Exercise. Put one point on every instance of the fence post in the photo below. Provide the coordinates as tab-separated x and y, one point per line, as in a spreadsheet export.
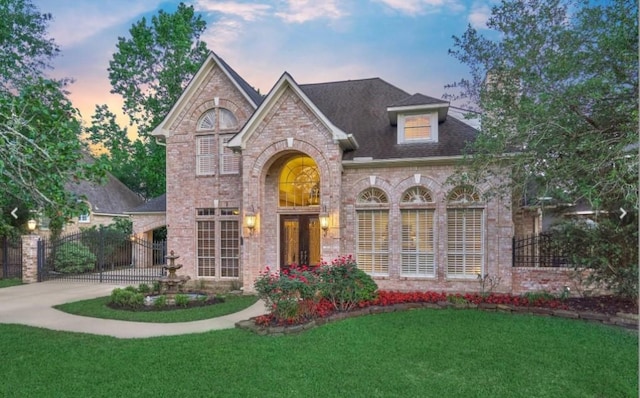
30	258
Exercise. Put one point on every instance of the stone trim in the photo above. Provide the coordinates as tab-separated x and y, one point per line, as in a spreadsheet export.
626	321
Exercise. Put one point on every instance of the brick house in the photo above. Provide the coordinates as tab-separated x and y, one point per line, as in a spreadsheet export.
310	172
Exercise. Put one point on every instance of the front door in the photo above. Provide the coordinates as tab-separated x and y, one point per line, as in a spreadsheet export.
299	240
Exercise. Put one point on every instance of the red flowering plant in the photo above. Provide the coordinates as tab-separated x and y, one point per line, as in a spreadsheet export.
344	284
291	294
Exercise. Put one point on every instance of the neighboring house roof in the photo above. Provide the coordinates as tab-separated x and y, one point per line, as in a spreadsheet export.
155	205
111	198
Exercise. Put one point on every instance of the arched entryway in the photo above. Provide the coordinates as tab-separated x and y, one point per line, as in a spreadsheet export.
298	209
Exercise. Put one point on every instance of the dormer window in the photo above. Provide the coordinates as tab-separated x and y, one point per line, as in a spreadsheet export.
417	128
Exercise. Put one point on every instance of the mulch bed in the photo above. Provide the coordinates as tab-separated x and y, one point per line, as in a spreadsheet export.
609	305
169	307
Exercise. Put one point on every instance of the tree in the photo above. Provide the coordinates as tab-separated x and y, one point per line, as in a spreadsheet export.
41	152
40	147
25	49
149	70
557	83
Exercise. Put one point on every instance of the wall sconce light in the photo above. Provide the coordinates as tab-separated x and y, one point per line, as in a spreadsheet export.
250	220
324	220
32	224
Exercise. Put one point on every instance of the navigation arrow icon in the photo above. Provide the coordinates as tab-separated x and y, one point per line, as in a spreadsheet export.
13	213
624	213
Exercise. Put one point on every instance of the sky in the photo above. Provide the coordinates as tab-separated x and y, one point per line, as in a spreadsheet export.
404	42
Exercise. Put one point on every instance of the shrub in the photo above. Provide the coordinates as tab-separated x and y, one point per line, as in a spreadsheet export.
73	257
160	301
126	298
283	291
182	300
344	284
144	288
302	293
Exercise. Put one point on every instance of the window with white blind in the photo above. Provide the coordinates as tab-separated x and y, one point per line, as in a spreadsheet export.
418	128
418	253
219	244
465	234
205	155
229	160
372	234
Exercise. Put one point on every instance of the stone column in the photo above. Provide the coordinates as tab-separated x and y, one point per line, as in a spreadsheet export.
30	258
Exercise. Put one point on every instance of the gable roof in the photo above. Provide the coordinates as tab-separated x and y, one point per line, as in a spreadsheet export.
112	198
286	82
249	93
155	205
360	107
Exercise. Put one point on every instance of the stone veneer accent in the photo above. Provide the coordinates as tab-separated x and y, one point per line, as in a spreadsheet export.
30	258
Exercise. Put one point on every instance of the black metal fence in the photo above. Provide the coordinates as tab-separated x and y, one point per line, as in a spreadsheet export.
537	251
10	257
102	255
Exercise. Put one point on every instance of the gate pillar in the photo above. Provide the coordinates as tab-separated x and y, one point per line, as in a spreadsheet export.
30	258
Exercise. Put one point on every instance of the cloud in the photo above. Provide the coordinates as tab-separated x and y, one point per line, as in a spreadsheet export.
74	22
421	7
479	16
247	12
300	11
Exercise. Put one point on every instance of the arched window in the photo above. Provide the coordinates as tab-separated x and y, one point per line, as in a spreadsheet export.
227	119
465	233
207	120
372	235
299	183
417	210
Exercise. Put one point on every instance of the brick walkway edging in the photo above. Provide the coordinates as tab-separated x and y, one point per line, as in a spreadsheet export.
627	321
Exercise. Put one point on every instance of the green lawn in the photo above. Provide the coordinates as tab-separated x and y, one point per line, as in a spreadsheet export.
419	353
10	282
97	308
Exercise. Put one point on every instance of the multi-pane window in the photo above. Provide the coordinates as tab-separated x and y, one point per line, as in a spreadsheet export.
84	218
372	234
229	160
218	243
206	248
465	237
418	237
227	120
205	155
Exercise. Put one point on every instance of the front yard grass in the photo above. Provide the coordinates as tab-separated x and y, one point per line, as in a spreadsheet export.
417	353
10	282
97	308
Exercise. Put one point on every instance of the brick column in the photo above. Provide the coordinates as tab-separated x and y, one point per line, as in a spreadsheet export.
30	258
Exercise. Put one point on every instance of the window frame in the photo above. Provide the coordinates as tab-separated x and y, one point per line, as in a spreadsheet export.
376	249
219	218
228	157
209	156
418	202
465	202
433	126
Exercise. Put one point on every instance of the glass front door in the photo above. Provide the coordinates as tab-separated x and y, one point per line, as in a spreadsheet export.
299	240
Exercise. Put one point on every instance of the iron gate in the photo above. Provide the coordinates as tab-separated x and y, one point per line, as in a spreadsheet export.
10	257
537	251
101	255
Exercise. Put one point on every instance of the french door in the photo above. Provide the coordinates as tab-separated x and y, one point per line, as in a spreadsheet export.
299	240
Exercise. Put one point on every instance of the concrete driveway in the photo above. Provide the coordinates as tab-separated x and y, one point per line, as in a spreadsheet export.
32	305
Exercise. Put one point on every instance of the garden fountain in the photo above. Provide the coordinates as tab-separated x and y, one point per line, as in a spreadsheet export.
172	284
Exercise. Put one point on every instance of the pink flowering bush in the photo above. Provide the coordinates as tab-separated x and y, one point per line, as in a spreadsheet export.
302	293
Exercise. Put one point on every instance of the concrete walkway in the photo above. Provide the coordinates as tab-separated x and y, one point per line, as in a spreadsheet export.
32	305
